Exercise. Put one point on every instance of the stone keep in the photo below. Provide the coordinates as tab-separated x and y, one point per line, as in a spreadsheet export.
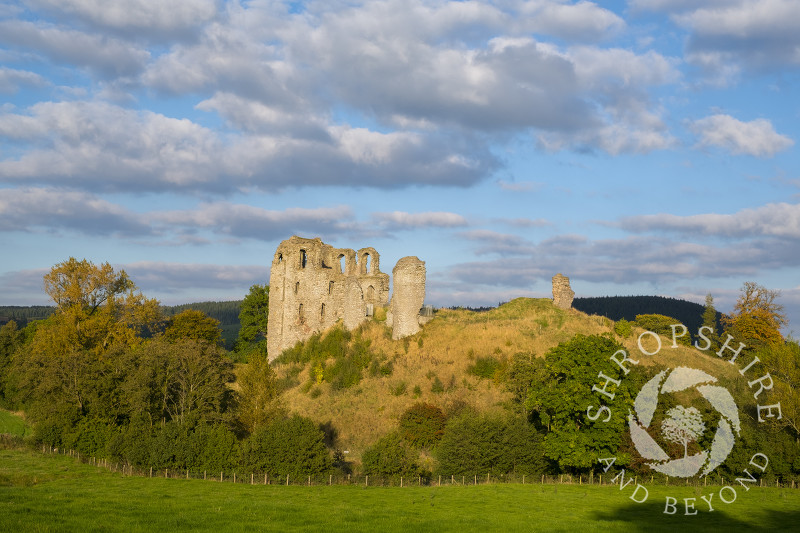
408	297
314	285
562	293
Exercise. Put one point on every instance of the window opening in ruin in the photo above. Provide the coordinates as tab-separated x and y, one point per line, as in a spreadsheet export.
366	266
370	310
280	258
322	311
300	312
342	267
303	259
370	293
296	287
330	287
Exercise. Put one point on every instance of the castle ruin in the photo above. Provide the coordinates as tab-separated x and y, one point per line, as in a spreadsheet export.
314	285
562	292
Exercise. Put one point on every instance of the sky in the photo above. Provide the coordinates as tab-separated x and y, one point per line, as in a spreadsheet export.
647	147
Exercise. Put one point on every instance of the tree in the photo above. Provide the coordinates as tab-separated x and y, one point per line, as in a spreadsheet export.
710	321
757	318
563	392
10	340
71	362
258	396
422	425
193	324
253	316
683	426
475	444
783	363
390	456
292	446
173	380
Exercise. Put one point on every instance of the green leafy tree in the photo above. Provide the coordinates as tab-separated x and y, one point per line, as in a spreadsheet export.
783	363
710	321
173	380
564	392
258	398
520	376
422	425
253	316
10	341
477	444
390	456
292	446
757	318
193	324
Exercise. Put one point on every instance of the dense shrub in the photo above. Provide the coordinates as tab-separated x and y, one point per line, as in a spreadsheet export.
422	425
390	456
623	328
292	446
661	324
485	367
476	444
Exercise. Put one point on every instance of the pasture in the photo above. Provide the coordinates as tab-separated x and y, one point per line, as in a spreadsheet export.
59	493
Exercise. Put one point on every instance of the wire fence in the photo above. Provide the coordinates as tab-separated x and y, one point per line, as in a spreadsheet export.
261	478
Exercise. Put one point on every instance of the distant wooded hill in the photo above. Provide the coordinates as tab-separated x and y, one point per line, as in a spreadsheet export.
690	314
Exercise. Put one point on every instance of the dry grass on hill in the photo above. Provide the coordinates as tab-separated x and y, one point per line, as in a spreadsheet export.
444	350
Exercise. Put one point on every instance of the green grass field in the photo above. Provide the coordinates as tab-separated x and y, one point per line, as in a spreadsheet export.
58	493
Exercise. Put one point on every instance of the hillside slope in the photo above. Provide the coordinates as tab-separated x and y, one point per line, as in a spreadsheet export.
433	366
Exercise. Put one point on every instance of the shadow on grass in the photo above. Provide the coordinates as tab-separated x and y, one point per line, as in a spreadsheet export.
649	517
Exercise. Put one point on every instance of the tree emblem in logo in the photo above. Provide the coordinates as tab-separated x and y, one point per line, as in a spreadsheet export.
684	425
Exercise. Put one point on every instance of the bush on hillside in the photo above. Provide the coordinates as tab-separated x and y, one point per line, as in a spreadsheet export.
390	456
422	425
292	446
477	444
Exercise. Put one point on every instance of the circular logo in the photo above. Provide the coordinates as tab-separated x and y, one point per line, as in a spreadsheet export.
683	425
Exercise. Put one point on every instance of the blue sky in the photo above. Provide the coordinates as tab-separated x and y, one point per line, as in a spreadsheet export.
640	147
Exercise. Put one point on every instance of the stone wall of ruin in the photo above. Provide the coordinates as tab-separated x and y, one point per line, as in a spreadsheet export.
562	292
314	285
408	296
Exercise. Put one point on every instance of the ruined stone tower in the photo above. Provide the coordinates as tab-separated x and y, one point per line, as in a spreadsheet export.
314	285
407	298
562	292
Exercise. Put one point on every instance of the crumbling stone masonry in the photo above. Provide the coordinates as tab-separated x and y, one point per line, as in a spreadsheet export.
562	293
314	285
408	297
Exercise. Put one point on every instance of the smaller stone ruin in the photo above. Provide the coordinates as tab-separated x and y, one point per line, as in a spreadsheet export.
562	293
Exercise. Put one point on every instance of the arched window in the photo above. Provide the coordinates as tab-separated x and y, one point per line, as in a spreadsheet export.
303	259
342	264
366	263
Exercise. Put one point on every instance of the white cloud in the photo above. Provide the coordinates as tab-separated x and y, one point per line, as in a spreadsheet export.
582	21
56	210
757	137
139	15
399	220
11	80
105	56
772	220
103	147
